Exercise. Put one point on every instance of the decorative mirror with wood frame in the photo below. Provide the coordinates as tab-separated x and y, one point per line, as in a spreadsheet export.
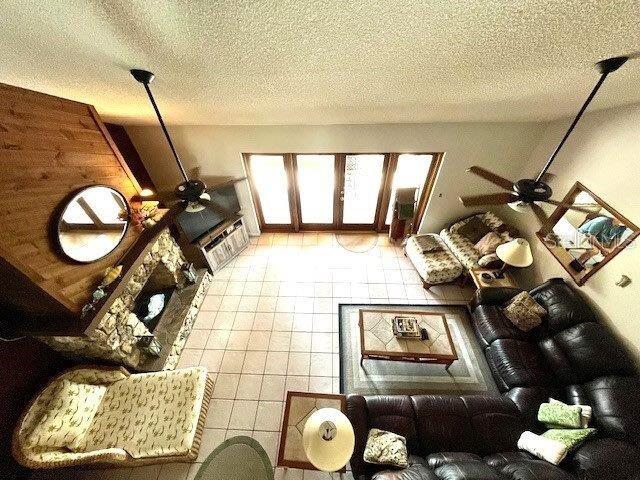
586	236
92	224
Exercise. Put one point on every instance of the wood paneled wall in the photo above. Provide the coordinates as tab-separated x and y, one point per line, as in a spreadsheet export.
50	147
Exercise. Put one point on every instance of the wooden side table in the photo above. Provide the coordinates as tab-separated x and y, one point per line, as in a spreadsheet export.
506	280
299	406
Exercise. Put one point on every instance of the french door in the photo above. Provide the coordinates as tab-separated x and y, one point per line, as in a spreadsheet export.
335	191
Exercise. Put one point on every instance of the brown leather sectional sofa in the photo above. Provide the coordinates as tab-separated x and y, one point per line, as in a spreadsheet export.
570	357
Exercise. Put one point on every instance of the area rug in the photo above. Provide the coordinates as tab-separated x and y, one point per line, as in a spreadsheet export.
238	458
357	242
468	375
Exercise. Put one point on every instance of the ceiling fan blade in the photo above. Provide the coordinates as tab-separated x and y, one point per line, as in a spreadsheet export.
166	197
491	177
223	212
489	199
539	213
568	206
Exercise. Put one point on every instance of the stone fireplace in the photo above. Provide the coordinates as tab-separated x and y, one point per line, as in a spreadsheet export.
115	335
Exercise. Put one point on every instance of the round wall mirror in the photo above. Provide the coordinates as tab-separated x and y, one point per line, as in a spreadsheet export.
93	223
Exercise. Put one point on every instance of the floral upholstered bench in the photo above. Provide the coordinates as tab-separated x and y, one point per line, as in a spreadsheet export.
432	259
98	415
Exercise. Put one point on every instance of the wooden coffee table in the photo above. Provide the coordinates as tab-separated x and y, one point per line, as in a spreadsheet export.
377	340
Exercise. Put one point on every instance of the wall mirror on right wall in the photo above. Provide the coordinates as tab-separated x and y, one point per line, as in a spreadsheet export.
584	233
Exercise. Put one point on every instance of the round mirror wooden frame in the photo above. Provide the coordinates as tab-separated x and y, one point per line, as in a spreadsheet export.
92	223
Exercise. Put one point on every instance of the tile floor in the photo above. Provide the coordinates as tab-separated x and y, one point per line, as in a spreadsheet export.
269	324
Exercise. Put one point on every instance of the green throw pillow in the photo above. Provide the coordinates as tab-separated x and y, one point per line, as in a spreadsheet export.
571	438
567	416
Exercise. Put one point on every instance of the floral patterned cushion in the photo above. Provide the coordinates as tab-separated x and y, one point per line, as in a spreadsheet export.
385	448
567	416
434	267
570	437
524	312
150	414
67	417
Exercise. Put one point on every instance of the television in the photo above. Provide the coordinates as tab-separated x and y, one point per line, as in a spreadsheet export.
194	225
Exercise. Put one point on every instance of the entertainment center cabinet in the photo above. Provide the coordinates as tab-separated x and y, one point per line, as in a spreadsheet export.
224	243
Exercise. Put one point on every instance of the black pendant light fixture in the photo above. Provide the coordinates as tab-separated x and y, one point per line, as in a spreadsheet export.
528	191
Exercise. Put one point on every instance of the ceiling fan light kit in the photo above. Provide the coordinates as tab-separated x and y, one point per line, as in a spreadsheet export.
523	194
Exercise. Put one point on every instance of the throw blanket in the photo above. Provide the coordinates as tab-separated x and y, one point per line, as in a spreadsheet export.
550	450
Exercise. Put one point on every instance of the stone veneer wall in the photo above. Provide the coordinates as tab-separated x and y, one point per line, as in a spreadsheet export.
116	336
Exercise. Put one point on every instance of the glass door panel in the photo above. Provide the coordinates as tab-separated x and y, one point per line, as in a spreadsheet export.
362	180
316	185
270	180
411	170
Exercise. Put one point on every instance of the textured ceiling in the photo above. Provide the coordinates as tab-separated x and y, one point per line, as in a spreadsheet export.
323	61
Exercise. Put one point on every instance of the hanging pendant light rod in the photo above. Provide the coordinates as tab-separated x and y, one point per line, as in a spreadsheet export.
145	78
605	67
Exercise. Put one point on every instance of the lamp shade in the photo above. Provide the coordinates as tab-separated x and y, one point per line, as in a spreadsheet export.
516	253
328	439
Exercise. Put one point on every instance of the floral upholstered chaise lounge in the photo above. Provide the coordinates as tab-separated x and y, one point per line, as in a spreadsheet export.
98	415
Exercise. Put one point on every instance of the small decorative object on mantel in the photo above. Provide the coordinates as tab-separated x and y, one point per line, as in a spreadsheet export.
110	274
189	272
149	345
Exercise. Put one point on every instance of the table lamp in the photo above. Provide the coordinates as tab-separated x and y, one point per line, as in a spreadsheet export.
328	439
516	253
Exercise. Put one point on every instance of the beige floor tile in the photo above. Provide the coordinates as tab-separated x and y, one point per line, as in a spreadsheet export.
377	290
298	363
217	339
224	320
243	415
276	363
252	289
238	340
211	302
286	304
234	288
254	362
230	303
204	320
197	339
231	362
270	289
322	305
226	385
269	441
259	340
266	304
303	322
249	387
280	341
321	290
268	416
296	383
248	304
321	342
322	322
219	413
212	360
273	388
263	321
238	433
303	305
256	274
321	364
283	321
321	384
189	358
305	289
243	321
217	287
300	342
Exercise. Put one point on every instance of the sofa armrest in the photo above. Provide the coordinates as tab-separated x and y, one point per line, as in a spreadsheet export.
493	296
605	458
358	416
58	458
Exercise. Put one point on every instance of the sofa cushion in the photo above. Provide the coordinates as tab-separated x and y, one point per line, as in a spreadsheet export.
436	460
474	229
592	351
616	406
490	324
488	244
412	472
535	470
394	413
517	363
601	458
499	460
565	308
434	411
467	470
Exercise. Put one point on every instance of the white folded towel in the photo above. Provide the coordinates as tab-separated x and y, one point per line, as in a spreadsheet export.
550	450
